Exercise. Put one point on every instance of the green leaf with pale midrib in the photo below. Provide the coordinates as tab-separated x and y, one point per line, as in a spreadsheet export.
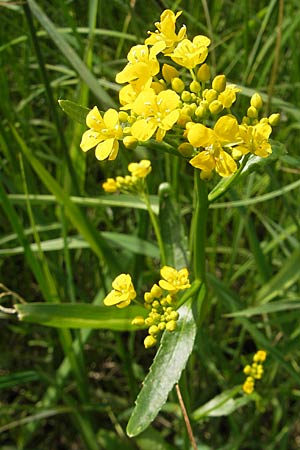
79	315
74	111
165	371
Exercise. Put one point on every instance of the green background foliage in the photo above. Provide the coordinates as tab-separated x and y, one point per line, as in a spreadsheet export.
63	240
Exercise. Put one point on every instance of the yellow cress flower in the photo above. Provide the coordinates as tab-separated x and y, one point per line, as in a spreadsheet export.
140	169
225	133
166	31
174	280
142	65
156	113
103	134
255	139
189	54
123	292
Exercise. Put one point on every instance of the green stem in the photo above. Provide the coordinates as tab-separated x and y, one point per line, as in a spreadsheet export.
156	228
199	229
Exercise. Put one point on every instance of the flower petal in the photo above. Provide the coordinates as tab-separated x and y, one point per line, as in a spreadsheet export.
143	129
89	140
104	148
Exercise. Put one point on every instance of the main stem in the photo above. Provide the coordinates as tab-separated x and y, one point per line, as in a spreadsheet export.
199	228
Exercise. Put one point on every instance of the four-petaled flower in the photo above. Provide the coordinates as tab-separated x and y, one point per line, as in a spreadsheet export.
103	134
212	155
141	67
155	113
166	31
174	280
123	292
255	139
191	53
140	169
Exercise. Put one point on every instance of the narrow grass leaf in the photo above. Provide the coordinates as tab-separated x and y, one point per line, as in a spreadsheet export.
70	54
265	309
79	315
16	378
97	243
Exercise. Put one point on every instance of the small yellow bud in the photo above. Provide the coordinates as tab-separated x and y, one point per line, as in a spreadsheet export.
174	315
252	112
200	112
247	370
211	95
161	326
186	149
153	330
177	85
205	175
149	321
274	119
183	119
148	297
149	341
123	116
110	185
139	321
219	83
195	87
156	291
155	304
186	96
171	325
215	107
256	101
260	356
130	142
169	72
203	73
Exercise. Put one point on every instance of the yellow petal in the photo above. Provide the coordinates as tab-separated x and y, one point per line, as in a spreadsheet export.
114	151
104	148
89	140
200	136
143	129
111	118
225	164
203	161
226	129
94	119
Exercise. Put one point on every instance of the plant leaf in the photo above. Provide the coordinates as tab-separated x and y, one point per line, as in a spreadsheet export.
170	360
79	315
73	110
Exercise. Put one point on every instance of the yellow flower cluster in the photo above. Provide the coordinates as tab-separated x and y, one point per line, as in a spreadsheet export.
160	301
159	98
254	372
133	183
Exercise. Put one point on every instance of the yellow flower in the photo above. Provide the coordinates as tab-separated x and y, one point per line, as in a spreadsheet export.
142	66
140	169
225	133
155	113
123	292
174	280
260	356
228	96
189	54
255	139
110	185
166	31
103	134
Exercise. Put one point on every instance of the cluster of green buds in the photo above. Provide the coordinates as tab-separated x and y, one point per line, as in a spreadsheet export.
254	371
133	183
161	303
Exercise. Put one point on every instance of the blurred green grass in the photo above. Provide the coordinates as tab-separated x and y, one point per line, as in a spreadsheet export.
82	384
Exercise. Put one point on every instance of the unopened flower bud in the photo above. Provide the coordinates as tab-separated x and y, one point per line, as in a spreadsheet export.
200	112
203	73
169	72
171	325
256	101
186	96
215	107
219	83
274	119
211	95
130	142
195	87
186	149
153	330
123	116
139	321
252	112
177	85
149	341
